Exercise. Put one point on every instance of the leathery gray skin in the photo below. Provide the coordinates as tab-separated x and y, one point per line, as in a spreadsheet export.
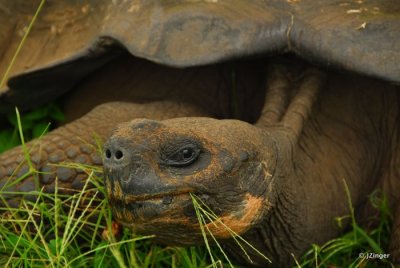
279	183
76	142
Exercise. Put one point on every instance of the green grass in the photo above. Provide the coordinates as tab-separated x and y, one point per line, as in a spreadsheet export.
35	123
204	215
77	230
346	250
59	231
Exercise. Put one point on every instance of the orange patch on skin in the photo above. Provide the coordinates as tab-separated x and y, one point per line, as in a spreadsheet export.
125	132
251	211
115	229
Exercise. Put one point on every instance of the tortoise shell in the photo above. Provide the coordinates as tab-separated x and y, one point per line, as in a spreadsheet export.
71	39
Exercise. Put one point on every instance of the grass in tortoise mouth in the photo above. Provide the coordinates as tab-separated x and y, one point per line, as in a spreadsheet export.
20	247
75	222
20	243
204	216
203	213
142	207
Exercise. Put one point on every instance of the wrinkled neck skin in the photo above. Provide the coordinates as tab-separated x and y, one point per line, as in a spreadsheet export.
279	183
349	138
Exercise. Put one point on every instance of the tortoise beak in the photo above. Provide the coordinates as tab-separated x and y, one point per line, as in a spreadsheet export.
129	174
135	191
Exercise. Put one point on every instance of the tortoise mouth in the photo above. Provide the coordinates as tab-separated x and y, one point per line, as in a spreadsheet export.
160	198
127	199
133	210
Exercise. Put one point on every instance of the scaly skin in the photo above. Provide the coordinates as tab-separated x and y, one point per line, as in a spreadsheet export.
153	91
75	143
279	183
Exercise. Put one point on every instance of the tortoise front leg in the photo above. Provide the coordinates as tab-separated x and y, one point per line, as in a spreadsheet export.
76	143
291	114
289	101
277	96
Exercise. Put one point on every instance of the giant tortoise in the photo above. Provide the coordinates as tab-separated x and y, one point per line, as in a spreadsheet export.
265	110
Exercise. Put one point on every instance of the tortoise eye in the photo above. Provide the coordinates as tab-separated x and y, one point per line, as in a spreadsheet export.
183	156
186	154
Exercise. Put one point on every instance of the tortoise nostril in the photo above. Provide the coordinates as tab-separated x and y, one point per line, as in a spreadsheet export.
119	155
108	154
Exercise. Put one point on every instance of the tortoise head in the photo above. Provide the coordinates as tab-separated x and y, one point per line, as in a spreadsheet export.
154	169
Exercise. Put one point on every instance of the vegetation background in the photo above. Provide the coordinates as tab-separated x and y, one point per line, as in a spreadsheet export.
52	230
